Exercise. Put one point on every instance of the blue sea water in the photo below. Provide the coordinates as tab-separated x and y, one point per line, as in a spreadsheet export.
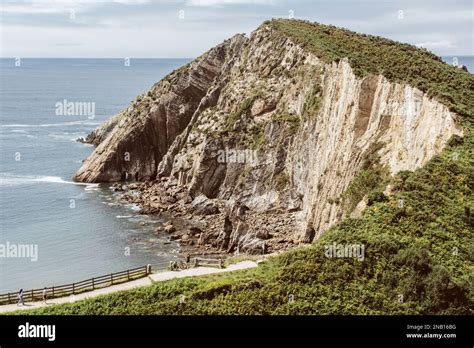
79	231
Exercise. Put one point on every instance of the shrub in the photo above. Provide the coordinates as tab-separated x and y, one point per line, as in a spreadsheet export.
376	196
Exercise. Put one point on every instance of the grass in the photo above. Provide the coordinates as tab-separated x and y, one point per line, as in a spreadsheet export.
312	103
236	115
421	251
236	259
418	242
365	182
396	61
371	180
281	180
258	136
292	121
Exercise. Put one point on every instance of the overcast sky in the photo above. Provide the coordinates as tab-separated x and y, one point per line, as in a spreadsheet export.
187	28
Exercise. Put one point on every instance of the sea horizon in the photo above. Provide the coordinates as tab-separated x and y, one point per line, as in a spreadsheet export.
81	231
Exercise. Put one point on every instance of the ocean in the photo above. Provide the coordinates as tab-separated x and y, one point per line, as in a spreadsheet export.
78	230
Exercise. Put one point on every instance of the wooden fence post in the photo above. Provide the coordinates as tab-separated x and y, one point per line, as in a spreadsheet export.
65	289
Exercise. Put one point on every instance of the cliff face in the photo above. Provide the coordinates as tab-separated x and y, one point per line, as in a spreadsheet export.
132	143
264	122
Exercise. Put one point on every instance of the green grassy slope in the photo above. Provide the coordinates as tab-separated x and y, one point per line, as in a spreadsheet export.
418	242
396	61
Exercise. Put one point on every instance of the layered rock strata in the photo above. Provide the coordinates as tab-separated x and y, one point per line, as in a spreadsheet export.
264	123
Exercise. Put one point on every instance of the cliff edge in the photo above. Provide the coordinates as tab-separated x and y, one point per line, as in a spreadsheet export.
301	124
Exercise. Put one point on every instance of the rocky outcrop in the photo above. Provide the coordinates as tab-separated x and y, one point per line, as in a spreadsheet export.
237	235
265	123
132	145
99	134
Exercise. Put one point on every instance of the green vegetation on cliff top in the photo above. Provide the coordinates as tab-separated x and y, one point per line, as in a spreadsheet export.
418	242
396	61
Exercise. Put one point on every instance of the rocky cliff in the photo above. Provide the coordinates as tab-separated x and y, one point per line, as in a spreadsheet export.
266	124
132	143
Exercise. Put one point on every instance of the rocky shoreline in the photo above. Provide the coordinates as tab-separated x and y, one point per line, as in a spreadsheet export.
204	226
259	144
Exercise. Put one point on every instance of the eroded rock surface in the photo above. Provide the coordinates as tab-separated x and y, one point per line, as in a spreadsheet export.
263	123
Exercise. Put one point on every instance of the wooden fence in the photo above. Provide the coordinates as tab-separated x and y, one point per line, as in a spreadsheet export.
195	262
32	295
78	287
199	261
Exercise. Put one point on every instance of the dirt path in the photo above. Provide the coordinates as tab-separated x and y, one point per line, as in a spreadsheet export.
155	277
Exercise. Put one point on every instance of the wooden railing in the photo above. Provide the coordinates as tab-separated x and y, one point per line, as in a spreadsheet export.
199	261
195	262
32	295
78	287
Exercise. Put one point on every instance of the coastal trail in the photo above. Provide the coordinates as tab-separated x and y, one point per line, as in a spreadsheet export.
149	280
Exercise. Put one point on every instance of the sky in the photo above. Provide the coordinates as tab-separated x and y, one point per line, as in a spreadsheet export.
187	28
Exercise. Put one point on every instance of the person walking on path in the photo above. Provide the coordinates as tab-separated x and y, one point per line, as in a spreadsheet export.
45	295
20	298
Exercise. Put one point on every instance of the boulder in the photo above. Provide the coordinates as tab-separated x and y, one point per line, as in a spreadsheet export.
202	205
169	229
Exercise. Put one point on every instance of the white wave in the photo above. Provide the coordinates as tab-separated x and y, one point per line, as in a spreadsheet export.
124	216
72	123
18	131
7	179
67	136
90	187
133	207
22	133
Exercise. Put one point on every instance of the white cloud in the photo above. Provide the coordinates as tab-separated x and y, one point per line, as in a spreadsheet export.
152	27
436	45
60	6
39	8
132	2
209	3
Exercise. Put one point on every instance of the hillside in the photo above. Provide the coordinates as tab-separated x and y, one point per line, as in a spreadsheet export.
421	251
339	122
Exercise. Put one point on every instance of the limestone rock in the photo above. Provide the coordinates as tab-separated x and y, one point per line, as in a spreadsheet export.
204	206
131	146
264	122
169	229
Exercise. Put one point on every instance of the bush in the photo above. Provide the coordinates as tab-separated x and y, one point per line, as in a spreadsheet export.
455	140
397	61
408	248
367	180
376	196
